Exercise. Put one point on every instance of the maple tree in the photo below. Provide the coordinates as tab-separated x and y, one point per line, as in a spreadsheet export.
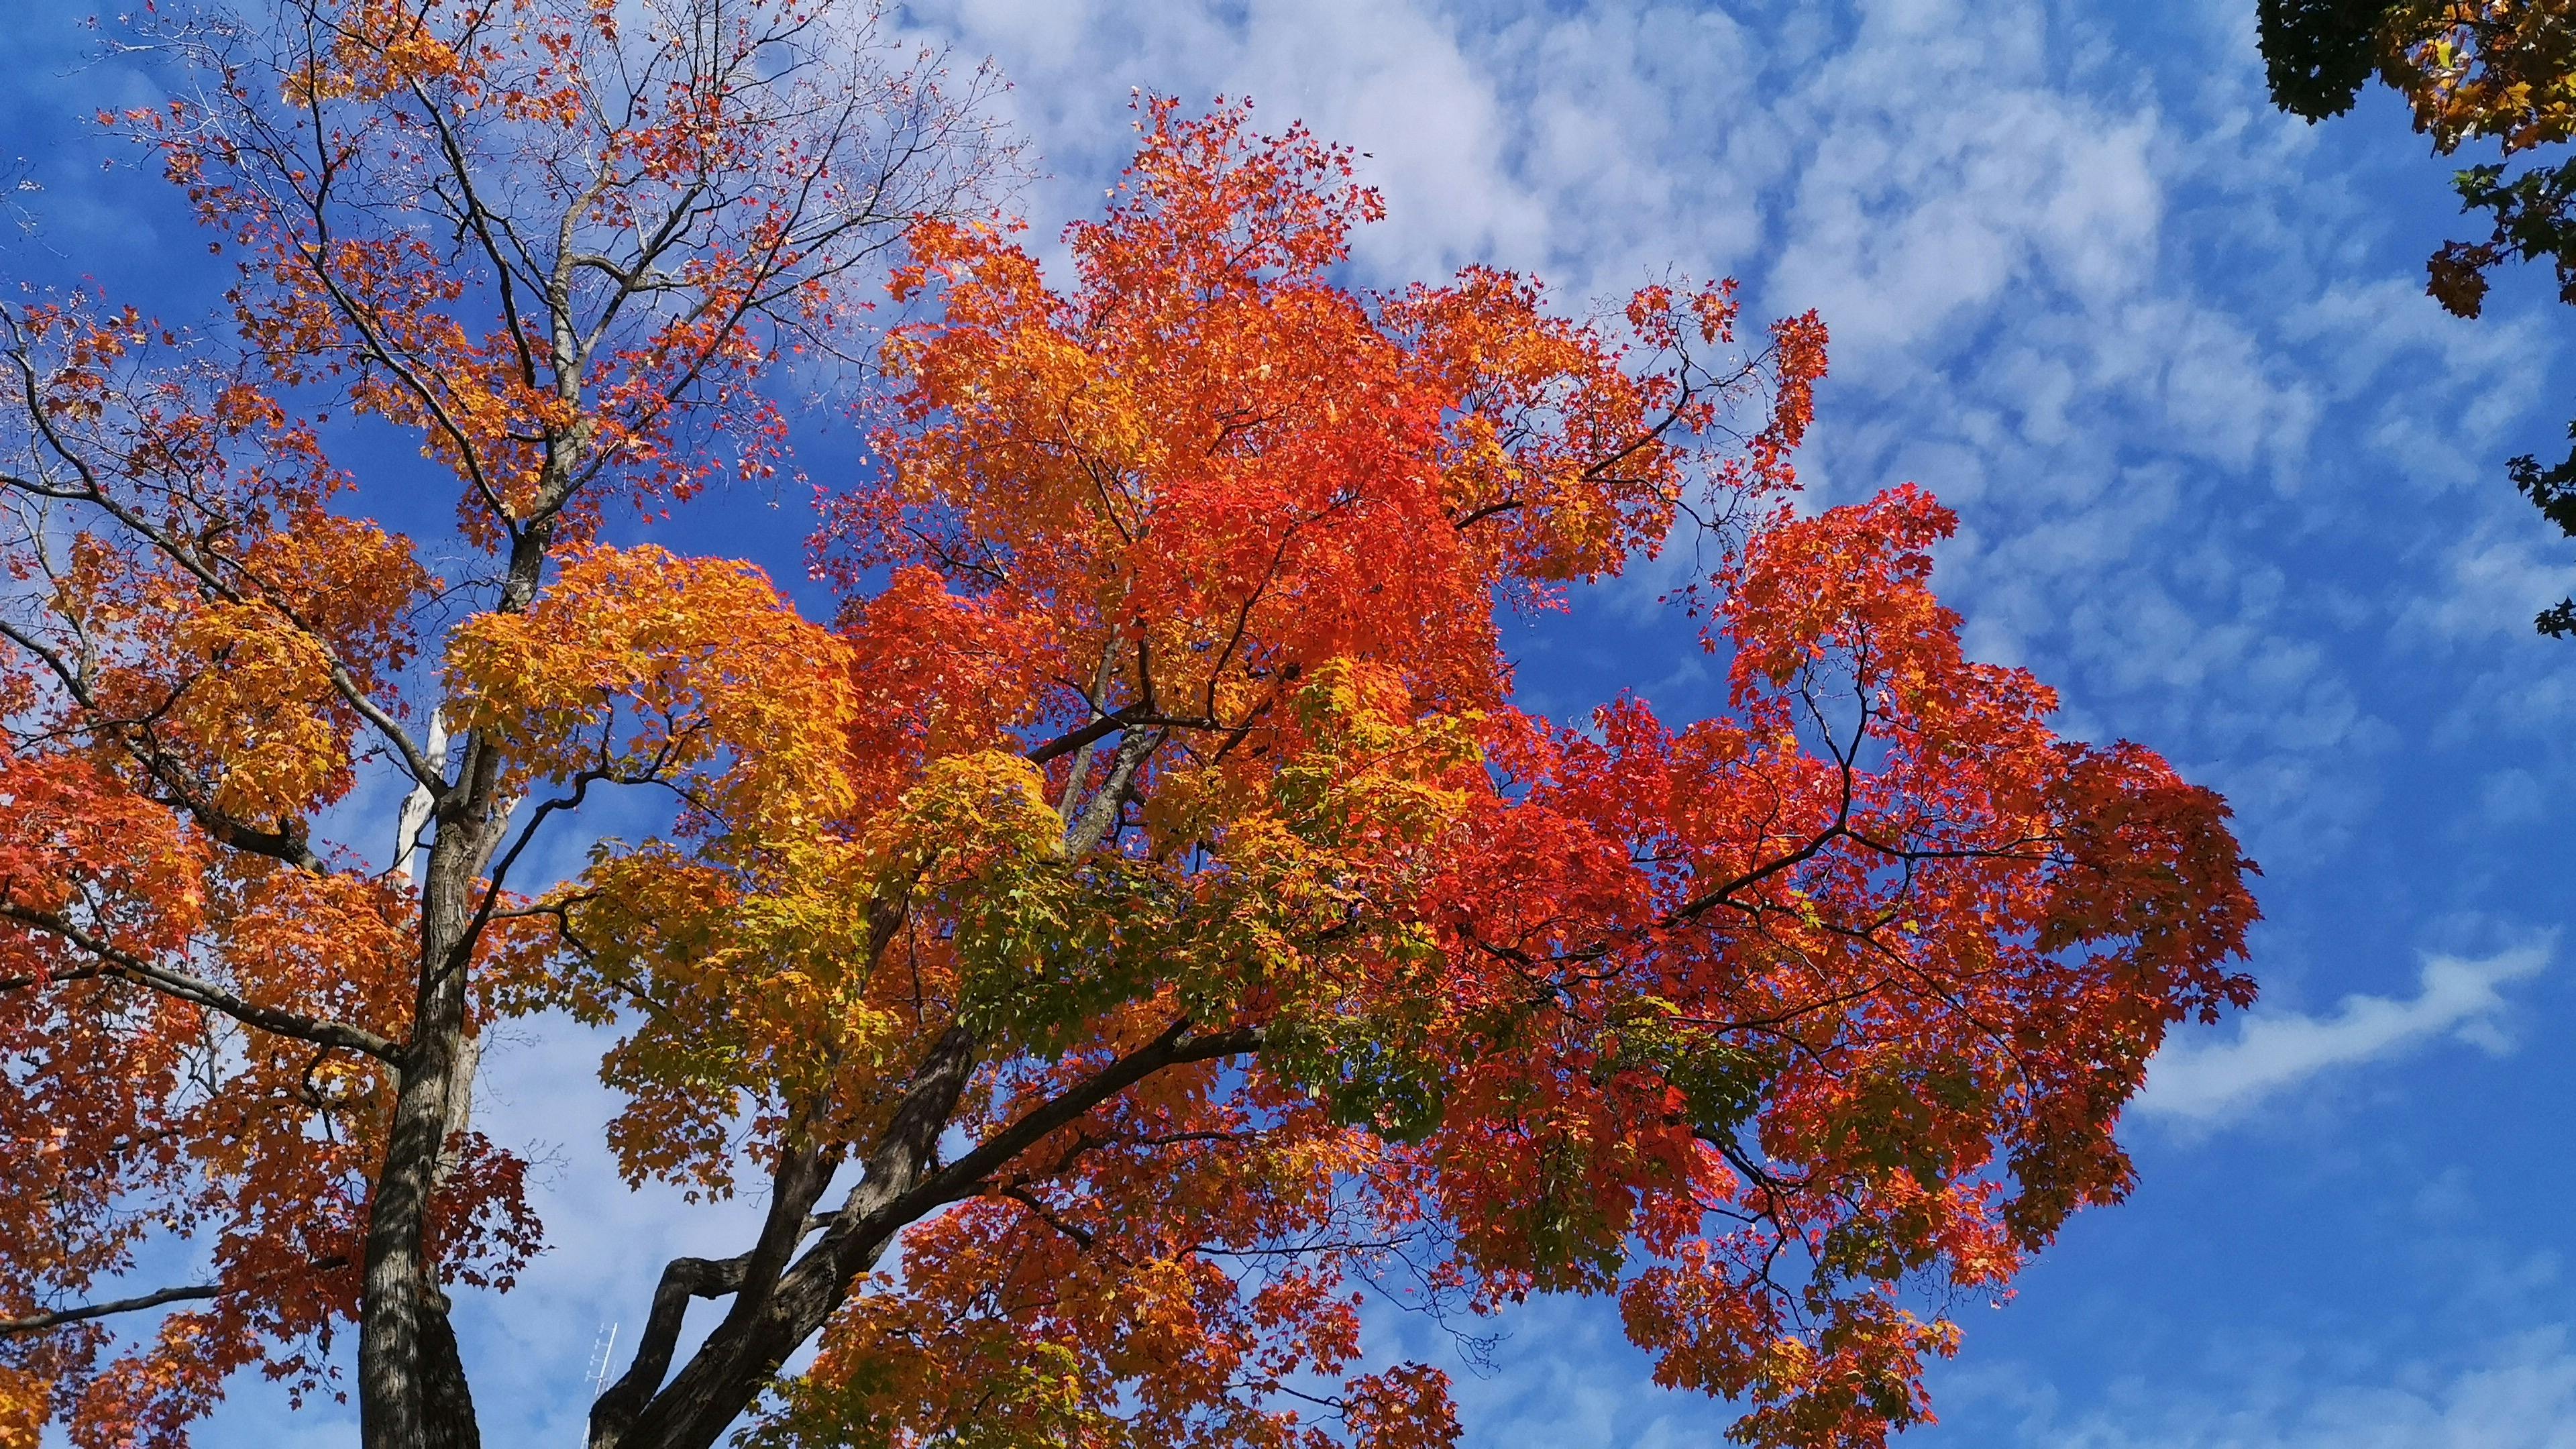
2472	71
1140	930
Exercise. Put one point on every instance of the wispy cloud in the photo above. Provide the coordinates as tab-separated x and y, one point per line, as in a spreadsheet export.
2273	1051
2518	1392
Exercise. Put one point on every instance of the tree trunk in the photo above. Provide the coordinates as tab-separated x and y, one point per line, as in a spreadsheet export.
447	1402
409	1371
412	1391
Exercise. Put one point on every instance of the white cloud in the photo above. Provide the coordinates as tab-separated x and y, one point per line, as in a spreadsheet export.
2199	1081
2498	576
1390	79
2517	1394
1561	1373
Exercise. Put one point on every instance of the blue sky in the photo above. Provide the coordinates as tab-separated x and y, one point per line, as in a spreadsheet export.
2227	478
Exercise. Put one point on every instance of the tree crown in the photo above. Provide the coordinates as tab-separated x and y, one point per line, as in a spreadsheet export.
1149	897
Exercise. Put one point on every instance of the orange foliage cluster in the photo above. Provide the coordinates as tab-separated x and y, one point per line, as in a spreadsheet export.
1754	1023
2476	69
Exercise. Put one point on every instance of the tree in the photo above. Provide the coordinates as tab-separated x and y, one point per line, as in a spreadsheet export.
2473	71
1144	906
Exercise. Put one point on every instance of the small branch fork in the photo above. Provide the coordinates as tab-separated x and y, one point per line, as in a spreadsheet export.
776	1306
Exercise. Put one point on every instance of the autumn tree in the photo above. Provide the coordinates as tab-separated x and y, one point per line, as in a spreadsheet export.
557	246
1139	931
2473	72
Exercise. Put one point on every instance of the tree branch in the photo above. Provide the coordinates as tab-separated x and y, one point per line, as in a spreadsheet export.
682	1279
1173	1048
284	845
127	966
193	1292
38	1323
746	1350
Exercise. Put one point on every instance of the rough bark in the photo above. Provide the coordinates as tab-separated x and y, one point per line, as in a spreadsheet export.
412	1388
447	1401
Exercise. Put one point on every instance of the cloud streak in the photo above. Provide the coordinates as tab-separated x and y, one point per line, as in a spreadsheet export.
2273	1052
2518	1392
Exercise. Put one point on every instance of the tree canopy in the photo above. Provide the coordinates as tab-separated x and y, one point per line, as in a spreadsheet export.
1143	928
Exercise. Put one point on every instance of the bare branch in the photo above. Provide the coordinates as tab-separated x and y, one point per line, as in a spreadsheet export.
126	966
38	1323
193	1292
